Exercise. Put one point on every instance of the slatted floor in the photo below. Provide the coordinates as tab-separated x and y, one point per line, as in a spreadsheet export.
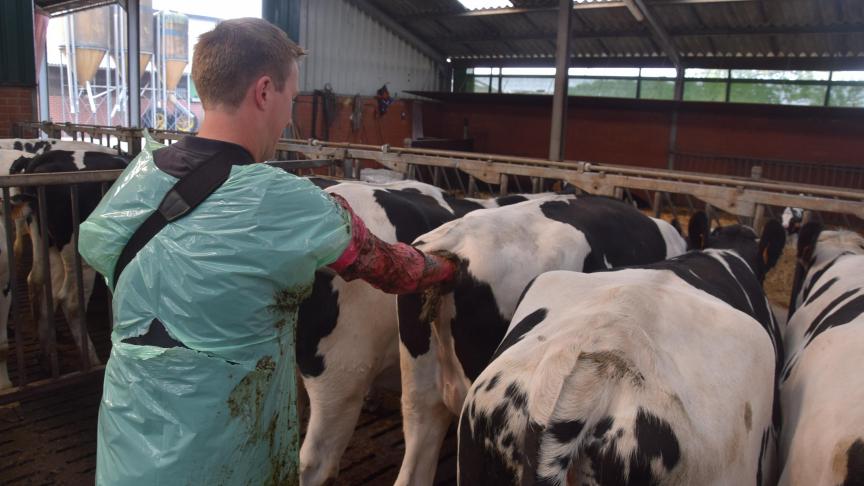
51	439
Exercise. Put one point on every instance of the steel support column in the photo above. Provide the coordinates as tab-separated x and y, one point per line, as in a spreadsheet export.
133	66
562	63
673	124
44	107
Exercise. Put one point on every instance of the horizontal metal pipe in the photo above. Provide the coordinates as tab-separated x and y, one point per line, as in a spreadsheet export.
42	387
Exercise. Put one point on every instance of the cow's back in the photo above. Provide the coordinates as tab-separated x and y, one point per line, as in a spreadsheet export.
618	372
822	440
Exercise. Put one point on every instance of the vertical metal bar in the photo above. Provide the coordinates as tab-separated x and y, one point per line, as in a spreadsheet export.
459	180
671	205
728	84
557	140
14	313
673	122
346	168
519	185
447	184
502	188
436	176
472	185
658	204
44	106
74	83
79	283
828	89
46	322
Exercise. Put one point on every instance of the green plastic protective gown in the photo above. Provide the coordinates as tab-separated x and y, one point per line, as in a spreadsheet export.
226	282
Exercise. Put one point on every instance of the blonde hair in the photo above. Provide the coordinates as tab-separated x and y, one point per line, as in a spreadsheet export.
230	57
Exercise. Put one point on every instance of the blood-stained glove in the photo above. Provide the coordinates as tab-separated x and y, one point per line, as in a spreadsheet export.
395	268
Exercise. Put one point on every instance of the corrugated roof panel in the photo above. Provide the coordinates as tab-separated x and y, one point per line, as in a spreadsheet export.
604	19
710	29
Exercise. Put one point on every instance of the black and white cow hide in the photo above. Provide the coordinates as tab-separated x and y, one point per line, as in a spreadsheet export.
658	374
347	331
822	389
59	227
447	338
39	146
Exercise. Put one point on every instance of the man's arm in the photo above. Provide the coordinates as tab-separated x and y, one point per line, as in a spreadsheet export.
395	268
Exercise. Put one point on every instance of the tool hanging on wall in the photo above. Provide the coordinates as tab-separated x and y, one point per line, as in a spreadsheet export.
356	113
384	99
328	109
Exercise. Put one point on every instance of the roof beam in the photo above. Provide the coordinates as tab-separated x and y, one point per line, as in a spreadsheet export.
708	32
522	10
640	12
837	63
504	11
695	2
366	7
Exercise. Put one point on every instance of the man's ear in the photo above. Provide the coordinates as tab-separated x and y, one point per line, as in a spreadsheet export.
262	91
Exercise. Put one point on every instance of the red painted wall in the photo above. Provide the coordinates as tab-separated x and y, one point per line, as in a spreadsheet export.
16	105
829	136
391	128
636	132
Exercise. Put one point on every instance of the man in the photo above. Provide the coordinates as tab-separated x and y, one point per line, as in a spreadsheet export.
198	385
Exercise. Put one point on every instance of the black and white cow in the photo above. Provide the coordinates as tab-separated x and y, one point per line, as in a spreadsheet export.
38	146
822	391
792	218
661	374
59	227
347	331
448	337
463	206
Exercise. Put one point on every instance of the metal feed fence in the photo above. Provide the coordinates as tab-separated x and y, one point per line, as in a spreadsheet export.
709	183
28	379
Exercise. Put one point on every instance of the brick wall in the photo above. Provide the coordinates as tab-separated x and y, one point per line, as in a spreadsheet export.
16	104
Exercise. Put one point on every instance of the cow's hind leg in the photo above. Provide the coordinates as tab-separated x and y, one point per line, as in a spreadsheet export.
334	408
68	298
5	302
425	419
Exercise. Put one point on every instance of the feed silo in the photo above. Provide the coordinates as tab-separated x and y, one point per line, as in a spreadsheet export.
172	41
90	34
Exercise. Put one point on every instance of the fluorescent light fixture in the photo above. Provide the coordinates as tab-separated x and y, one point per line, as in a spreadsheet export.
484	4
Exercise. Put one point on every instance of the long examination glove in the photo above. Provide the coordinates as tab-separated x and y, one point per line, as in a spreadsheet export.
394	268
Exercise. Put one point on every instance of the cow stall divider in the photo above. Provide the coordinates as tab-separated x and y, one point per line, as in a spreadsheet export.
58	376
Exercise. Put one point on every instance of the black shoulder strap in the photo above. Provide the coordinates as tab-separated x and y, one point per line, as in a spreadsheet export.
189	192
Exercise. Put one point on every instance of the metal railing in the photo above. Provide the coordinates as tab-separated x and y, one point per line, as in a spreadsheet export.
58	373
751	198
745	190
823	174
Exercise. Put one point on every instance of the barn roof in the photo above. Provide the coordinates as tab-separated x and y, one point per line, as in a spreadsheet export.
766	34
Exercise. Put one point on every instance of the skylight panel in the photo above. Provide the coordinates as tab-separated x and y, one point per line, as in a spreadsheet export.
485	4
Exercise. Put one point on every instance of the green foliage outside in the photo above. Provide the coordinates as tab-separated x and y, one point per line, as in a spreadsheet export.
609	88
749	86
657	90
778	94
847	96
704	91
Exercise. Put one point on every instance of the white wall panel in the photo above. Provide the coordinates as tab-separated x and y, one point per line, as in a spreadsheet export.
356	54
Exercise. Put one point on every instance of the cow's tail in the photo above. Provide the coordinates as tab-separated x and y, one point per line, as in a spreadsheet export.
580	387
